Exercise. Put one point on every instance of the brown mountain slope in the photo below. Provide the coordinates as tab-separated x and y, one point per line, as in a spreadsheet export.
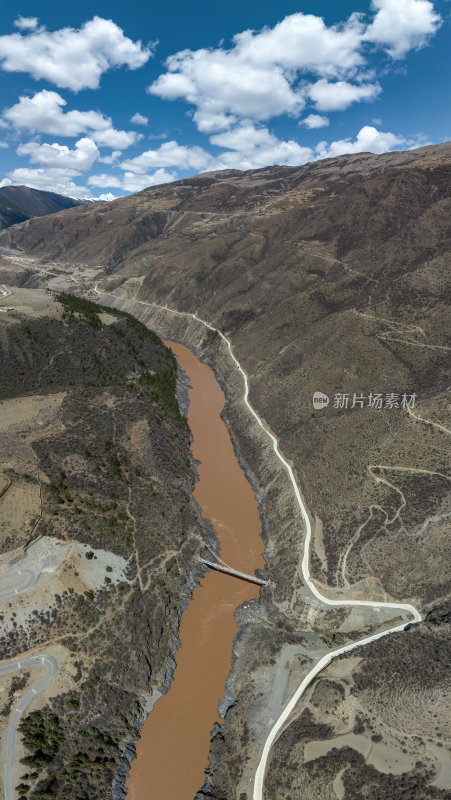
346	203
329	277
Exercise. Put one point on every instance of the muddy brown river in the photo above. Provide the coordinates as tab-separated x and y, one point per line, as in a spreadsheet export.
172	752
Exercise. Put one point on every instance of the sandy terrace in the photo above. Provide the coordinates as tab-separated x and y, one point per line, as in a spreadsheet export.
30	302
57	566
59	276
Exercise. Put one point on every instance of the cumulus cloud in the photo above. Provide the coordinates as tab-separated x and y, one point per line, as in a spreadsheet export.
81	157
257	76
246	146
70	58
304	42
368	139
314	121
262	74
134	183
250	147
117	140
52	180
338	95
26	23
43	113
169	154
111	159
221	83
139	119
104	181
400	25
209	121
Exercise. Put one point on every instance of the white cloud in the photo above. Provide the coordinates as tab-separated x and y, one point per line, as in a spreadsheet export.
26	23
303	42
71	58
258	77
4	145
104	181
209	121
314	121
376	121
134	183
112	158
244	138
43	113
368	139
117	140
339	95
251	147
51	180
139	119
400	25
57	155
5	182
106	197
169	154
247	146
222	82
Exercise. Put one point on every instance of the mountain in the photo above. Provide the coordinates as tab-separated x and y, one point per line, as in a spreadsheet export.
18	203
332	277
10	214
347	204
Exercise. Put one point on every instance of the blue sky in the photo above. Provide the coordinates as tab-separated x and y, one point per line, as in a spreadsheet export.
103	99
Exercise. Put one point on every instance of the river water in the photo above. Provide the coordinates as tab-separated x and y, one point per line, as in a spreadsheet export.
172	752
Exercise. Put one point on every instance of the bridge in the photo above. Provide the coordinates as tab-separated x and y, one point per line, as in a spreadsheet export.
235	572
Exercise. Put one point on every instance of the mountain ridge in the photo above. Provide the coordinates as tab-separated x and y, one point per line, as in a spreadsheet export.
19	203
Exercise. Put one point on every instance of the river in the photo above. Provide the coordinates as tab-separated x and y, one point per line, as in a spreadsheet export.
172	753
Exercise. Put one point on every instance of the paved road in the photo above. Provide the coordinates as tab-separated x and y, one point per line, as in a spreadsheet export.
31	577
23	587
403	608
50	669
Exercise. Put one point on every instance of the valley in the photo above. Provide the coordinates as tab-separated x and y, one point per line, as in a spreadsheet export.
330	277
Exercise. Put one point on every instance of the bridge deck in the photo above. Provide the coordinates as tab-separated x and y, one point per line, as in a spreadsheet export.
243	575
